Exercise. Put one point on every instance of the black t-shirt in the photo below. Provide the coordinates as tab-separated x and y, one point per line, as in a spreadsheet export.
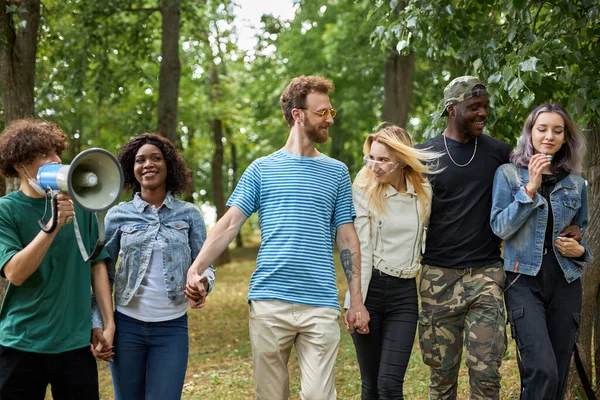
459	234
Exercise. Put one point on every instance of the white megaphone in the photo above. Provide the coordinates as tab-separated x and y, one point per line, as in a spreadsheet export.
94	180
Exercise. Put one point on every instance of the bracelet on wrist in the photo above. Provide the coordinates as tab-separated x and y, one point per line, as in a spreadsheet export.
529	193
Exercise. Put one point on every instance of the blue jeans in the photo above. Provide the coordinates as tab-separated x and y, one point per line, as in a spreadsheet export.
383	353
150	358
543	312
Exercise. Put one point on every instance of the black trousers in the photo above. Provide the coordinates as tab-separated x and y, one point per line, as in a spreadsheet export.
25	376
544	313
383	354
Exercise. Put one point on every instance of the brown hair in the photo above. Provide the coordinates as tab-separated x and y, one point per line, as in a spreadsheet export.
179	177
294	95
24	140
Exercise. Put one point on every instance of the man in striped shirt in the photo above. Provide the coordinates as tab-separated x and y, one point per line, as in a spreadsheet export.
304	203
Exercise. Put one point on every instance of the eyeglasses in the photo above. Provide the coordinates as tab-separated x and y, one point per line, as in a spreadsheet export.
323	114
378	164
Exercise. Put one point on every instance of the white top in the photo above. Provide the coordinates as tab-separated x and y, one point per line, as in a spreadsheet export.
150	303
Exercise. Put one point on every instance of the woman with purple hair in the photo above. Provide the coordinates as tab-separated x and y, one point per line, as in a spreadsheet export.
535	198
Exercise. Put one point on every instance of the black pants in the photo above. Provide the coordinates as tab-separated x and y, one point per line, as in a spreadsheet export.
544	312
383	354
25	376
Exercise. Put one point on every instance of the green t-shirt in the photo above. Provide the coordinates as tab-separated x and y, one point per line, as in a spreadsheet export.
51	311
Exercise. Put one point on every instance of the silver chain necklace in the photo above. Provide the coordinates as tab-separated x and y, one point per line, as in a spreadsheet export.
452	159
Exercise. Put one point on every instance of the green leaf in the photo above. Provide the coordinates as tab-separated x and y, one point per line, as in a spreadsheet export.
507	74
495	78
477	64
401	45
529	64
512	32
528	99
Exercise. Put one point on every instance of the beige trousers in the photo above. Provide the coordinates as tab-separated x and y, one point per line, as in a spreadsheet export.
276	326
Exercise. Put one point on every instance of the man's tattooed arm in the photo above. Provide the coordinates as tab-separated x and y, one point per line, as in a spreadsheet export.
349	269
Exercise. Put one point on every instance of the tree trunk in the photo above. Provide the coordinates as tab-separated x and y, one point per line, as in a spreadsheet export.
589	333
239	243
398	87
18	47
218	155
170	70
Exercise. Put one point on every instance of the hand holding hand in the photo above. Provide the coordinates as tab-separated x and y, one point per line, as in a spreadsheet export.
101	346
357	317
196	289
569	247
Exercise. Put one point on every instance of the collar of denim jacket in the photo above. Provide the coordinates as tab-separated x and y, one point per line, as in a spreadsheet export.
141	204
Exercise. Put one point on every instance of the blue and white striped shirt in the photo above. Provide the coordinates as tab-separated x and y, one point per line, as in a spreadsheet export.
300	202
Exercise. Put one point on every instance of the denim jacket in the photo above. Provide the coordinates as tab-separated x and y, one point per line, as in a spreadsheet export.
132	227
521	221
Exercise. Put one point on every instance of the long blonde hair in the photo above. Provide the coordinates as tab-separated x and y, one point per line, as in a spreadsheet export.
399	144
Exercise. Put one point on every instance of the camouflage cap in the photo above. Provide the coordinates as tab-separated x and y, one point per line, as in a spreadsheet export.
461	89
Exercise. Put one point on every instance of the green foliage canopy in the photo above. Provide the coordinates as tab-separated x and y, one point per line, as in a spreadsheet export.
527	52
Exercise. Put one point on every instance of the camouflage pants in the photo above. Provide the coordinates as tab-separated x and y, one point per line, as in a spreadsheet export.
462	304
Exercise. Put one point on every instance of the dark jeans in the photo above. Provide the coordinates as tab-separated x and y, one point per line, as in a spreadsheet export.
383	354
25	376
544	312
150	358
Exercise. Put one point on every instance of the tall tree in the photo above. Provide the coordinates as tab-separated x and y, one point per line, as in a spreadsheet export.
218	153
170	70
19	23
397	85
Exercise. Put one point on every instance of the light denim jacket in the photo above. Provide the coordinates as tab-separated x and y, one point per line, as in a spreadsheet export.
521	221
132	227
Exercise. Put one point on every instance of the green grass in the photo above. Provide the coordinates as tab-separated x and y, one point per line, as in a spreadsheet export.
220	360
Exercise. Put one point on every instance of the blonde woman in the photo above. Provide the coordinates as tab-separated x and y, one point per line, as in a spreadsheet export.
392	199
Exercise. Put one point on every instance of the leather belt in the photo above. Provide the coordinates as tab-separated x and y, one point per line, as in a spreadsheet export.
396	273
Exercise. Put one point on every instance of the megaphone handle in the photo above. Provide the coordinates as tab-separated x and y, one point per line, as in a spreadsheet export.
52	228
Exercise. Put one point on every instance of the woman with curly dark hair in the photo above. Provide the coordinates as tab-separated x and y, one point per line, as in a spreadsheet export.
155	237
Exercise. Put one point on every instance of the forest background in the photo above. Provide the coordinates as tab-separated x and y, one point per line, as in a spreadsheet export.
108	70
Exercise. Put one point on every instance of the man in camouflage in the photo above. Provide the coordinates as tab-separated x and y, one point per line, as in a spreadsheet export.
462	278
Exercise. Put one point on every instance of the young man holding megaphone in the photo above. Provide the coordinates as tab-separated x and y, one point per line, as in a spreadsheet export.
45	318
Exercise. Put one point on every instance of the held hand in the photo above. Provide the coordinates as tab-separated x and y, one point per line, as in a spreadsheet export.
65	210
196	289
569	247
357	317
537	164
101	346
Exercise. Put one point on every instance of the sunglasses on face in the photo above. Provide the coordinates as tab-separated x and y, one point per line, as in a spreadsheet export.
324	113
